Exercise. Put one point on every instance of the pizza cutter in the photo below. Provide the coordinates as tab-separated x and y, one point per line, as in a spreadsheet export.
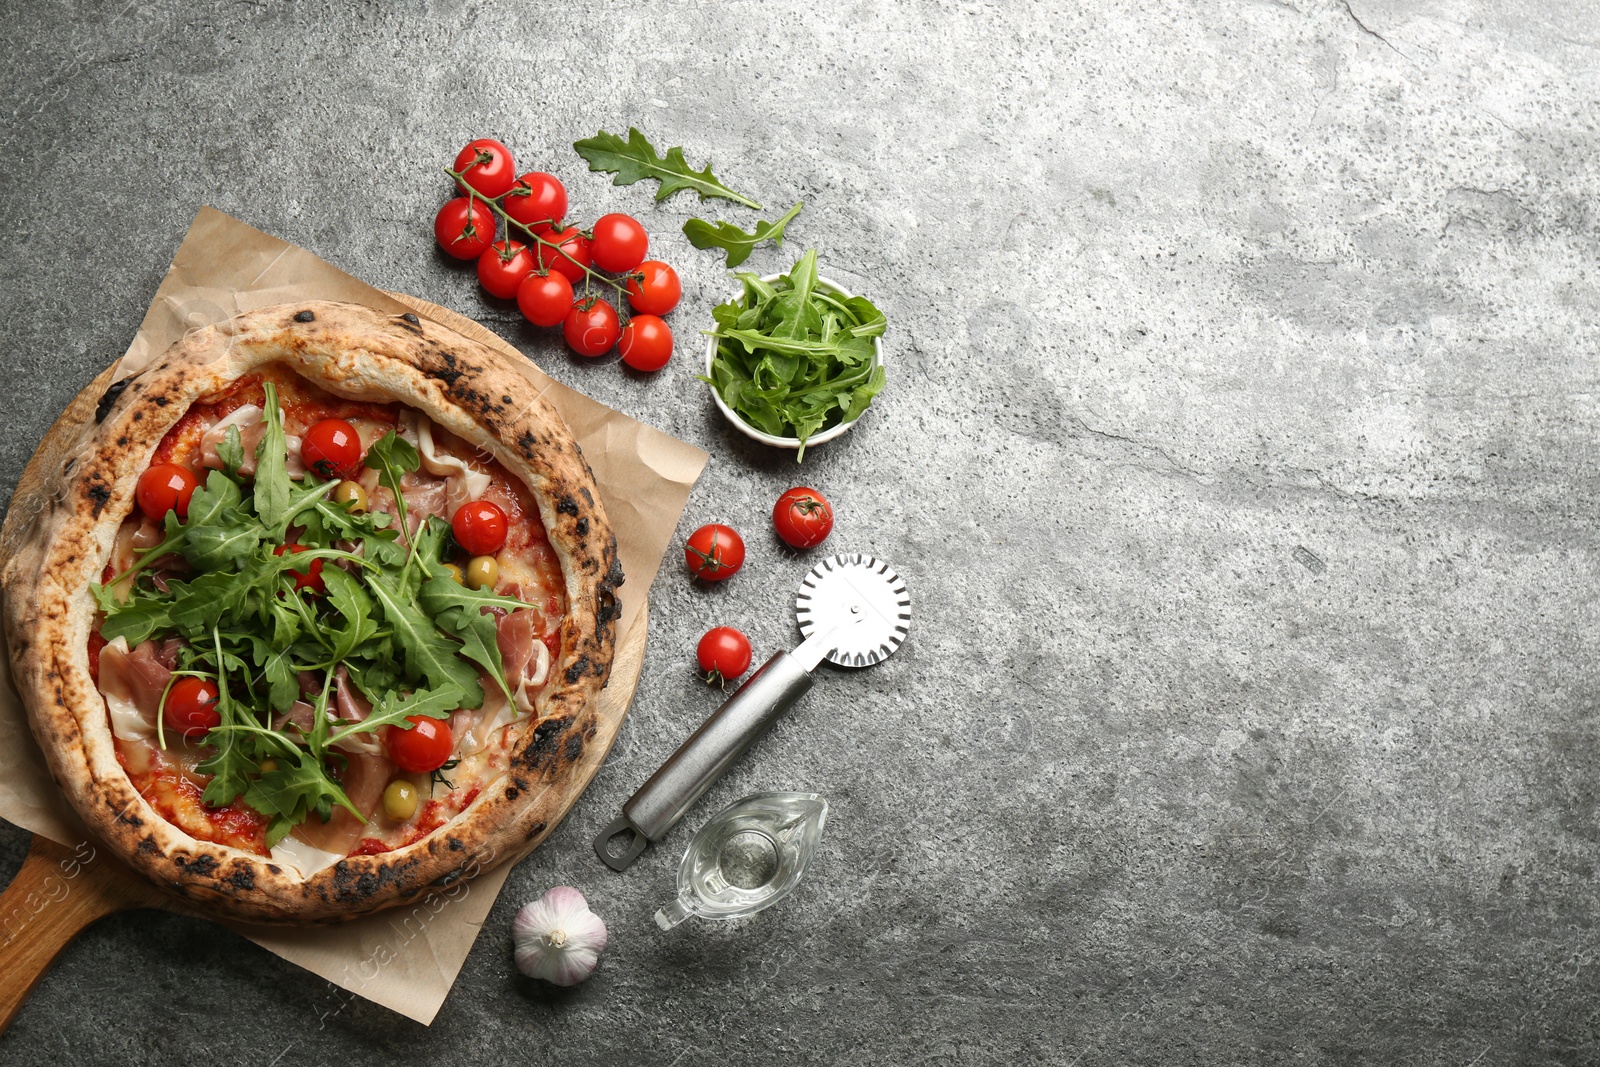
854	611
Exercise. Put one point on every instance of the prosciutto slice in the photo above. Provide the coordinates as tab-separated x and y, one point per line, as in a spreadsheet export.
132	682
131	537
365	774
363	779
416	428
425	495
524	655
301	714
353	707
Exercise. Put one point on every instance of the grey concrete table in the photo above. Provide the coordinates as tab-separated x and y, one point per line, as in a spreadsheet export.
1239	449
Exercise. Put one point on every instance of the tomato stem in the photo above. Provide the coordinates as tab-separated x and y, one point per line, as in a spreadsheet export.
473	194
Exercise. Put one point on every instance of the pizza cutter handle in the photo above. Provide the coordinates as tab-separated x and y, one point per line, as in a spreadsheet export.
703	758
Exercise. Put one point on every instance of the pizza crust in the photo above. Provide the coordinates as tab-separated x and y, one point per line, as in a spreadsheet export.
80	486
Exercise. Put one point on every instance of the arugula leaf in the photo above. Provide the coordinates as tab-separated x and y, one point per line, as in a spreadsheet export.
282	680
225	544
209	503
432	538
428	654
734	241
291	793
230	765
392	456
393	710
272	471
794	358
231	451
635	159
198	606
302	499
459	610
354	606
138	620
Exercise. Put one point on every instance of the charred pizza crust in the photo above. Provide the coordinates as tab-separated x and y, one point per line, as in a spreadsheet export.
80	486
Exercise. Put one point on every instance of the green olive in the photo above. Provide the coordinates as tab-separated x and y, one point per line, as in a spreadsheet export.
269	765
455	572
348	492
483	572
399	800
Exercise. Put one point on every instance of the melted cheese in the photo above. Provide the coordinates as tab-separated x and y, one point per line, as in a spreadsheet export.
304	858
529	683
127	721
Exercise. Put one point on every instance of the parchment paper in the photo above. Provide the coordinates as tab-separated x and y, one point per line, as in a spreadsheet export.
408	957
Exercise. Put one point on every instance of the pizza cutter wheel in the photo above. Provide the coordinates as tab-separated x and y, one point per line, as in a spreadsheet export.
853	610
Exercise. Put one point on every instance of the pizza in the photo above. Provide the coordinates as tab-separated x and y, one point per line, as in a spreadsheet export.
312	614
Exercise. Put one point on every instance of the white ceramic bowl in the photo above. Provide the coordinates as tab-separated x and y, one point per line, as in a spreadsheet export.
787	442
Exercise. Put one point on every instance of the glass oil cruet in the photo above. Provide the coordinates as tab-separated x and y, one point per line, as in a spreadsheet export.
747	858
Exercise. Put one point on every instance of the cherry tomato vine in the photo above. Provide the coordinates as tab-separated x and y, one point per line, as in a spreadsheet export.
535	240
513	228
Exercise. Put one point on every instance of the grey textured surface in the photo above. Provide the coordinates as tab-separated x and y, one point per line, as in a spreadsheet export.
1238	449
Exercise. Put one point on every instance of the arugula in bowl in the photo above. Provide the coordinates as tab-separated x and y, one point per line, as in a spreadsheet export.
795	357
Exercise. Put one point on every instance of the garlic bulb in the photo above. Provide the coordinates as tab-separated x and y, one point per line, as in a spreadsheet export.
558	938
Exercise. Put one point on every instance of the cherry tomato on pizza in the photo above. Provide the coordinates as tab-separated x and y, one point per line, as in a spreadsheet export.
480	527
591	327
502	267
332	448
309	578
423	748
620	243
654	288
464	229
486	165
537	200
573	256
646	343
714	552
724	654
165	487
191	706
803	517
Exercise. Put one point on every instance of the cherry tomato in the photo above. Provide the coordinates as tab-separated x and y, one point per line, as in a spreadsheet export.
714	552
165	487
803	517
191	707
486	165
423	748
311	578
503	266
724	654
545	299
332	448
480	527
464	230
646	343
654	288
591	327
571	241
619	243
537	200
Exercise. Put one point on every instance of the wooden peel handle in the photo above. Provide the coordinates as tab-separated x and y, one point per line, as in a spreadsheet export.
54	897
